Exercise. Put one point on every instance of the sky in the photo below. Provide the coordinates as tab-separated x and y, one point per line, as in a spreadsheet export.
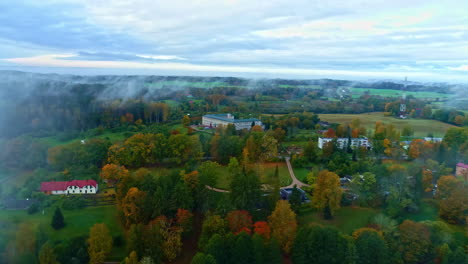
353	39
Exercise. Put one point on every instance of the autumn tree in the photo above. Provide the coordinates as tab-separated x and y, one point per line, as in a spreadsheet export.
327	193
262	229
186	120
139	150
330	133
239	221
47	255
132	258
171	238
283	225
132	206
99	243
415	239
453	207
112	173
184	219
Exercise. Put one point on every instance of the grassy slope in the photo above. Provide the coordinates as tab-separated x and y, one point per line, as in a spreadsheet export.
421	126
78	223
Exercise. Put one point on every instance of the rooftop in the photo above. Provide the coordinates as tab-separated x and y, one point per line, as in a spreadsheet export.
224	117
462	165
63	185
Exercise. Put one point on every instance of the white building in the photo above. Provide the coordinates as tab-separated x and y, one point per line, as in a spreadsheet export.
70	187
342	143
217	120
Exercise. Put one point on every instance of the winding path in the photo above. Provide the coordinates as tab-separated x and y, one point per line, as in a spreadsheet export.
295	181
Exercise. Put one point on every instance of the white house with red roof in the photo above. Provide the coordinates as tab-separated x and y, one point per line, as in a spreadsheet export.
69	187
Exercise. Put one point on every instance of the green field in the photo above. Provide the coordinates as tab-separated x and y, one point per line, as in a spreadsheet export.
357	92
78	223
266	171
421	126
346	219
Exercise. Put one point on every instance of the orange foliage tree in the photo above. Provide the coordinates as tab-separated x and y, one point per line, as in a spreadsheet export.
112	173
263	229
132	206
184	219
239	220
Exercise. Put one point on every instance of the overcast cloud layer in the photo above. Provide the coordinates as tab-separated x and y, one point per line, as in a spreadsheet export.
422	39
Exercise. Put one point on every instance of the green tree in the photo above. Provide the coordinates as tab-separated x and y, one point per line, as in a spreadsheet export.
371	248
201	258
57	219
245	191
213	224
242	251
47	255
295	199
323	245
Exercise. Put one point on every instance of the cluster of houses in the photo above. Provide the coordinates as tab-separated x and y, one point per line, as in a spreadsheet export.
223	120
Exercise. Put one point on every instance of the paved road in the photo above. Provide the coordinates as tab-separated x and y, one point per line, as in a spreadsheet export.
295	181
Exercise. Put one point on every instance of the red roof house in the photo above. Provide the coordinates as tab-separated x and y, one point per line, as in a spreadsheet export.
69	187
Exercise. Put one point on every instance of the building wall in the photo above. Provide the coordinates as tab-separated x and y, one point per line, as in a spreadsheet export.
77	190
343	142
208	121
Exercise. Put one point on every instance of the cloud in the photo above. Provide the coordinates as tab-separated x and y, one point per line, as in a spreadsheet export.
354	35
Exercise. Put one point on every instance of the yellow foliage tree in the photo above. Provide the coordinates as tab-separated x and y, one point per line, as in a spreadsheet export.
132	258
327	193
283	224
99	243
131	206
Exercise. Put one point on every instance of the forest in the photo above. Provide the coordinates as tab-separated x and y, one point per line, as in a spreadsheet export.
174	191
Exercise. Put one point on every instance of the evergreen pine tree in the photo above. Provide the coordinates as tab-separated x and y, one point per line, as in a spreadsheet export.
57	220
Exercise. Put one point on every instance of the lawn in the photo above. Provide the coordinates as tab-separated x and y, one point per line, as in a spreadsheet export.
421	126
301	174
266	171
346	219
78	222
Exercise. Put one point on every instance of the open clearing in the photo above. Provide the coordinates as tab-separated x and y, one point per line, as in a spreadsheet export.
421	126
266	171
357	92
346	219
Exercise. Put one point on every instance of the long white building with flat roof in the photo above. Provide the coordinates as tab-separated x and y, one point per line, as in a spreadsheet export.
216	120
343	142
